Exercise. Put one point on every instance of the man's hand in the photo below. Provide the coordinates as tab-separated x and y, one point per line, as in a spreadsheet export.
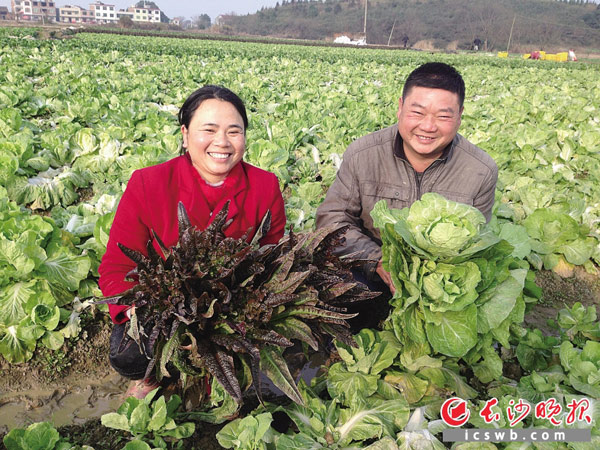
385	276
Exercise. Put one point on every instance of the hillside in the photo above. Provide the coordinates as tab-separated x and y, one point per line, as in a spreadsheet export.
448	24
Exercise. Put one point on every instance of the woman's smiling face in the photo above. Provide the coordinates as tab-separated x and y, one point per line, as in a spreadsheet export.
215	139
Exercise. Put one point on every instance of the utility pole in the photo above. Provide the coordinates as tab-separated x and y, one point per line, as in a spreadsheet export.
365	27
390	38
510	35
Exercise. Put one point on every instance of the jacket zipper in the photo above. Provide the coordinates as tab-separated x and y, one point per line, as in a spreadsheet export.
419	180
418	183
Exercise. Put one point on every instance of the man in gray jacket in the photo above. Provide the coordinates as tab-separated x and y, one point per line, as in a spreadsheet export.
422	153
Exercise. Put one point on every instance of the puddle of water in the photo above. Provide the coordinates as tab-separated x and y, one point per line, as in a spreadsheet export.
62	406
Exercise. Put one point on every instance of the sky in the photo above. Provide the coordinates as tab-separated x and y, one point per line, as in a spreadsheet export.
185	8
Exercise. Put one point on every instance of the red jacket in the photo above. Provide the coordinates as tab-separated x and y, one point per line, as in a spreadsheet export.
150	203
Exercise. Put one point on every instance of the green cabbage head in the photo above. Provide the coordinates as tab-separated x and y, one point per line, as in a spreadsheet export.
437	228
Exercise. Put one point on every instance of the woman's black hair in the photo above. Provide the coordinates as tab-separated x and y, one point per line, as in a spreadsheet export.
436	75
210	91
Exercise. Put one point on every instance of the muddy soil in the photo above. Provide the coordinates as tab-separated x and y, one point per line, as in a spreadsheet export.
70	386
559	292
74	387
103	438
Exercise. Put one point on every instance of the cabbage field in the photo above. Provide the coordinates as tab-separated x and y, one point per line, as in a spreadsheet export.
79	115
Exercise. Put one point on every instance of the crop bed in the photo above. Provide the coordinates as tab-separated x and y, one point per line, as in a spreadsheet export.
79	115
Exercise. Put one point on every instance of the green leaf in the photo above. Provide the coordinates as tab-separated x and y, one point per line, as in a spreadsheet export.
247	433
385	443
116	421
41	435
84	142
46	316
490	367
373	419
311	192
53	340
413	324
102	228
172	405
14	439
20	257
458	384
591	352
292	328
66	269
535	351
411	386
128	406
37	436
48	188
9	165
140	417
438	228
73	326
350	386
383	215
16	345
185	430
297	441
136	445
558	232
375	351
577	251
500	305
452	333
159	414
450	287
517	236
13	299
276	369
409	440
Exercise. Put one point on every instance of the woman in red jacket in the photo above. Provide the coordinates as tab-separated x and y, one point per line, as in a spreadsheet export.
209	172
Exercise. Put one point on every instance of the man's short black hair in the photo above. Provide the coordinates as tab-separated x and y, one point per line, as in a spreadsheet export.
436	75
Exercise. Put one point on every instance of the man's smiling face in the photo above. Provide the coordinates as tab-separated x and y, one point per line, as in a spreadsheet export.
428	120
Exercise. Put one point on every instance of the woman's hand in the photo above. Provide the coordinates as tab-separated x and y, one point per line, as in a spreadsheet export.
385	276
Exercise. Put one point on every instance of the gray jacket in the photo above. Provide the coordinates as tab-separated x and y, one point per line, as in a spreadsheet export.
374	168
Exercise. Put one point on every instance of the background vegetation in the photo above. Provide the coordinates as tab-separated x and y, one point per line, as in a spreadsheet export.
443	23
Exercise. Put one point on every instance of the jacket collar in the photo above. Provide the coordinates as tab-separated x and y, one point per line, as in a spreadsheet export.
191	193
445	156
